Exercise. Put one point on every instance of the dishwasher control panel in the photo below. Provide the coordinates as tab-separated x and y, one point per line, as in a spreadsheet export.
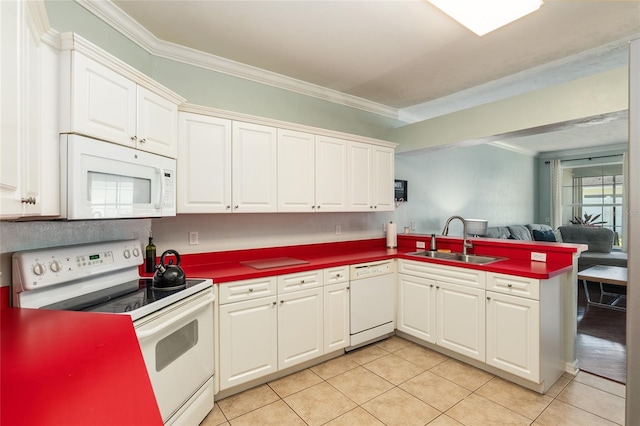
371	269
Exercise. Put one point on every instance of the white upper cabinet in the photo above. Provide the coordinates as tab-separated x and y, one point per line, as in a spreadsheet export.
371	177
360	178
331	174
204	164
29	159
99	102
254	168
296	171
383	178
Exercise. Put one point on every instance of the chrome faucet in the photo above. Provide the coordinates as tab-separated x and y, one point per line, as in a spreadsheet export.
465	241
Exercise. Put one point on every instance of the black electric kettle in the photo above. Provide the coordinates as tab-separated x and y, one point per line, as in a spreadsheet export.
169	276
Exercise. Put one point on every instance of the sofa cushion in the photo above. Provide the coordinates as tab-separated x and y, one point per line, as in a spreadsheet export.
520	232
599	240
588	259
549	235
497	232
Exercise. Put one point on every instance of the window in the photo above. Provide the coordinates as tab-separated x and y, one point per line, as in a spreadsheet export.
594	190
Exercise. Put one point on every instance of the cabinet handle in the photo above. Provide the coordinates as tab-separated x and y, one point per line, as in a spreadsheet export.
437	287
282	301
301	281
431	285
488	298
509	285
274	303
319	207
348	288
134	138
143	140
338	275
250	290
313	207
30	200
228	207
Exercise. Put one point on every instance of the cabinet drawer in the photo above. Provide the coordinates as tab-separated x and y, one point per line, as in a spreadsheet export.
515	286
300	281
451	274
247	289
339	274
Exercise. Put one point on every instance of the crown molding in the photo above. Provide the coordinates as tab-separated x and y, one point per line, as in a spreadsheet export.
127	26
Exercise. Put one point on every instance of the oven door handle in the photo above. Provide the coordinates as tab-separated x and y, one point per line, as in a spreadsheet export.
148	333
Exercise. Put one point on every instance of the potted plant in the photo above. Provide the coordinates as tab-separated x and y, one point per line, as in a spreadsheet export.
589	220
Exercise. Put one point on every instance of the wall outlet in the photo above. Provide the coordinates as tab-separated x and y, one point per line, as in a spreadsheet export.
538	257
420	244
338	230
193	238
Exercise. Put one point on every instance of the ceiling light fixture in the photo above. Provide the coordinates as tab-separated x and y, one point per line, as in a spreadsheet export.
484	16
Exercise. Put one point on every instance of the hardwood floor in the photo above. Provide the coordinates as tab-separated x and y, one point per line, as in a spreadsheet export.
601	337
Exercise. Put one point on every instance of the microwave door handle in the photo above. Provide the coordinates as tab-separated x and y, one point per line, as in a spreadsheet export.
160	205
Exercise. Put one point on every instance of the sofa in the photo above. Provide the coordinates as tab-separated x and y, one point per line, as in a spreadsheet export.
599	241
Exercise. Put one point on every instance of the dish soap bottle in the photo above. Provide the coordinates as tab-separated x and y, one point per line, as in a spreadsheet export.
150	256
433	246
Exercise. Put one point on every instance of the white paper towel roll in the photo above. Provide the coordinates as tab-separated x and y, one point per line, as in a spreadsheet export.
392	235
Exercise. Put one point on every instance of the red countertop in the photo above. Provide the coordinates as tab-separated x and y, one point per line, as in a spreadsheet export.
228	266
72	368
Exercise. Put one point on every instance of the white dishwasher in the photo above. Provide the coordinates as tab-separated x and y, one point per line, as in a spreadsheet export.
372	302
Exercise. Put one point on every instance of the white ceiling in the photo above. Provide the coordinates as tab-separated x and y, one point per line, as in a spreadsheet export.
405	55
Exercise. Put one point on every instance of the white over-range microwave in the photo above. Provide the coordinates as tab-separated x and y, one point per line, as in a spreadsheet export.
102	180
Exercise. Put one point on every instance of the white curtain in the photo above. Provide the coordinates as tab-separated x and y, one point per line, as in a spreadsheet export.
625	201
555	171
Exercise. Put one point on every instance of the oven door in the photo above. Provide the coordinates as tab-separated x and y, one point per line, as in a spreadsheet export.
103	180
177	346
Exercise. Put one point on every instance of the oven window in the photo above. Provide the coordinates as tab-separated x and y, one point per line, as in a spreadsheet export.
174	345
109	193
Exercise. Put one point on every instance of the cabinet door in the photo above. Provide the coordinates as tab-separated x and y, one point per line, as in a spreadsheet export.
156	124
204	164
331	174
513	335
460	320
296	171
254	168
417	307
103	102
300	327
336	317
29	152
248	341
383	178
360	183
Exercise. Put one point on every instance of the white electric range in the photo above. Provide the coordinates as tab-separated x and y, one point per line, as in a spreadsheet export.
175	328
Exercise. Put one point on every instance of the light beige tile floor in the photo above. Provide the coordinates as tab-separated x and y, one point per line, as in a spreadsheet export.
396	382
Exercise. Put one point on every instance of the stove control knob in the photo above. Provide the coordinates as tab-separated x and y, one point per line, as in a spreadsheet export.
127	253
38	269
55	266
136	252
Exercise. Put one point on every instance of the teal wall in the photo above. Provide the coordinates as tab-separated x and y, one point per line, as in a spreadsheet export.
475	182
213	89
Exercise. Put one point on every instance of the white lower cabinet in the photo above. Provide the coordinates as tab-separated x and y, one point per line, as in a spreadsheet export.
336	316
511	323
300	327
460	319
513	334
417	307
273	323
248	340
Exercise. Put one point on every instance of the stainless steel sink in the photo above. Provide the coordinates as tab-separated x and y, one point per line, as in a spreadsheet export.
457	257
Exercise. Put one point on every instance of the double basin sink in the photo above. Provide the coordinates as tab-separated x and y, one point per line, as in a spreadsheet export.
457	257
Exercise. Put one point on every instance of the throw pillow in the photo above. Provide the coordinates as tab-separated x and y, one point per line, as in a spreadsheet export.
548	236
